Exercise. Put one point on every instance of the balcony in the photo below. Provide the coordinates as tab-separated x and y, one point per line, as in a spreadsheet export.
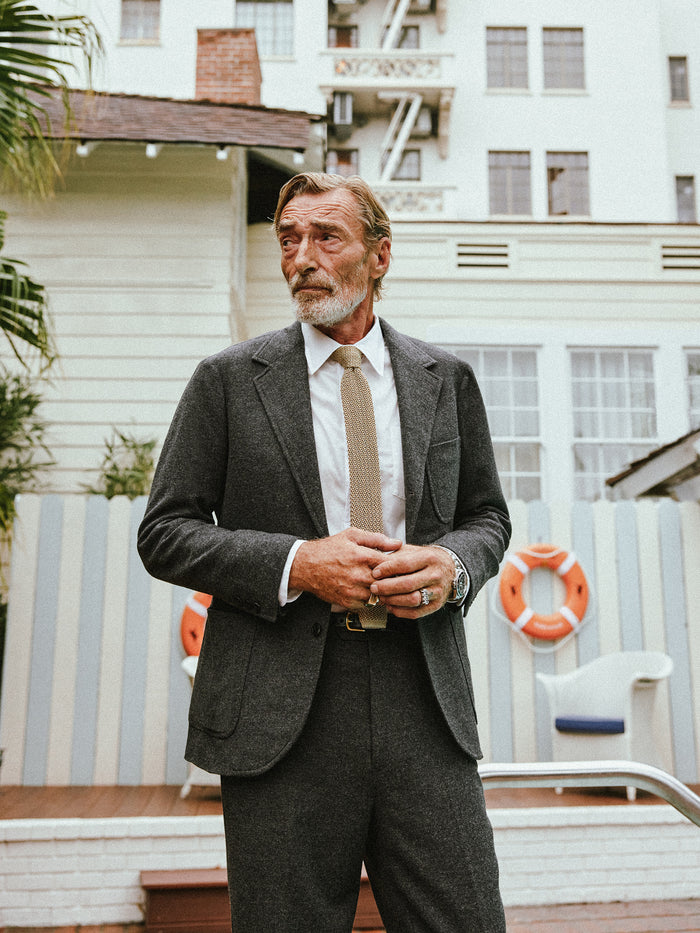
365	72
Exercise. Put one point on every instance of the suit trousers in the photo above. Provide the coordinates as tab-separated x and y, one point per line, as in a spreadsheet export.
375	776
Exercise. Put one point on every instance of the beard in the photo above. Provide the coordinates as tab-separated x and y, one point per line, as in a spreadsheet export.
343	298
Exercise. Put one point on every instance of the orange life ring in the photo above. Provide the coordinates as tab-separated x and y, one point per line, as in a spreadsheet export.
523	617
194	616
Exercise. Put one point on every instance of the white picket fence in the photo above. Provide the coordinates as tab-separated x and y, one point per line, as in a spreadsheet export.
93	691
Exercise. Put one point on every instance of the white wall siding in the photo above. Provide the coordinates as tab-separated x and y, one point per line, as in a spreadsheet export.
93	691
136	257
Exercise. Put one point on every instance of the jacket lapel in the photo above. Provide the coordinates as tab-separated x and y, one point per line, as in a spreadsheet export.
283	388
418	389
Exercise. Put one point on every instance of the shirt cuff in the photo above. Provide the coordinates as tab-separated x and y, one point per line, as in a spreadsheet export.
285	595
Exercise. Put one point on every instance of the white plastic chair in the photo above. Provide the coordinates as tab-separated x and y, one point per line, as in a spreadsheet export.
604	709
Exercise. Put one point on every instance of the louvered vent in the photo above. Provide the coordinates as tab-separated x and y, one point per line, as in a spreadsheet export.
482	255
681	257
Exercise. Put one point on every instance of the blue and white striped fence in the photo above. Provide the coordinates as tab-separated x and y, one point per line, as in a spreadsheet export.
93	691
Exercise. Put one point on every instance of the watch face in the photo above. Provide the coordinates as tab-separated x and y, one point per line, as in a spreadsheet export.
460	585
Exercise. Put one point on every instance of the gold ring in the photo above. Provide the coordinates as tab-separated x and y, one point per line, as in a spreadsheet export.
372	601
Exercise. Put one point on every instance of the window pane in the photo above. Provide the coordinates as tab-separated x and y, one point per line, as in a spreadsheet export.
685	199
526	424
140	19
509	183
506	57
408	168
567	183
678	69
614	403
343	161
563	58
273	22
694	389
342	37
528	488
508	380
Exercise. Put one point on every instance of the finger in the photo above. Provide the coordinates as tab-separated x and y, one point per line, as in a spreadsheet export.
375	540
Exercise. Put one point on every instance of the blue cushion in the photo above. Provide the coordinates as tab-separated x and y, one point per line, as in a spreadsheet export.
592	724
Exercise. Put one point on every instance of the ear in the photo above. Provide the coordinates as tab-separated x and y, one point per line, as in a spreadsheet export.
381	257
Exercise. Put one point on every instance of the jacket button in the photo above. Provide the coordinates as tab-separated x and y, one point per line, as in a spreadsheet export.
317	630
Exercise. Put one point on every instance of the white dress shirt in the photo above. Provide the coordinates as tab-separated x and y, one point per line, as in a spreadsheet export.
329	433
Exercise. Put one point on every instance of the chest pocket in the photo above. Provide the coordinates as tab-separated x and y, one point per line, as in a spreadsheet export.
443	477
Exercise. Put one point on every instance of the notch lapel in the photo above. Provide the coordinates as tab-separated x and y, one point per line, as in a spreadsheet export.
418	389
283	389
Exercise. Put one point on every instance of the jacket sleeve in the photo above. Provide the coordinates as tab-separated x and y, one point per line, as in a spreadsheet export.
180	540
481	530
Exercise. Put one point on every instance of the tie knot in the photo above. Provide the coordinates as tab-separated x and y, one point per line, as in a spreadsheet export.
348	356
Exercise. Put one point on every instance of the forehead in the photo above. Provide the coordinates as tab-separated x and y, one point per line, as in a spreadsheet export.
337	208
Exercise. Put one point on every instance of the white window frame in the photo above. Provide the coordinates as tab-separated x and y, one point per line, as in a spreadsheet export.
572	176
685	199
611	450
273	22
500	392
693	387
141	18
559	69
679	85
506	179
503	45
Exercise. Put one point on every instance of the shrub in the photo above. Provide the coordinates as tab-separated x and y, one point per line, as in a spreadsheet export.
127	467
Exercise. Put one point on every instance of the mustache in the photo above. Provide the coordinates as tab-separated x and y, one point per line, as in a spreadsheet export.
312	280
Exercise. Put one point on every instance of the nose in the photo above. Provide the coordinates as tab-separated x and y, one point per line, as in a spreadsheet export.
305	257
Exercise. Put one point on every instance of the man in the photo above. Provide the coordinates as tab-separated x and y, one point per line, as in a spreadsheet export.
333	691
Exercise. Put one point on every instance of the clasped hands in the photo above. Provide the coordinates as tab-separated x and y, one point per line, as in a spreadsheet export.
350	567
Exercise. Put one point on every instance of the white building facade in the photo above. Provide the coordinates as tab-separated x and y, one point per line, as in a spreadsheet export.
540	164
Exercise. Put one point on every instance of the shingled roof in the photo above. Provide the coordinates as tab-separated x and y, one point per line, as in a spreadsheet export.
132	118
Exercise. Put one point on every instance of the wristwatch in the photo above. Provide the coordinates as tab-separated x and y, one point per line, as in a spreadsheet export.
460	581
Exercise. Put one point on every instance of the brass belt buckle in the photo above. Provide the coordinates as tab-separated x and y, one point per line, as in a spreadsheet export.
352	628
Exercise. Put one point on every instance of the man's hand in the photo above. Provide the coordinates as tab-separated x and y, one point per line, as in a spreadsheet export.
400	577
338	569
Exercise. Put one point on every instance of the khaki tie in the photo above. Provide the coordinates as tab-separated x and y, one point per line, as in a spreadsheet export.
363	459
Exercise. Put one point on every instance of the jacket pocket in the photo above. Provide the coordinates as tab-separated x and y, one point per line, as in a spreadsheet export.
222	669
443	478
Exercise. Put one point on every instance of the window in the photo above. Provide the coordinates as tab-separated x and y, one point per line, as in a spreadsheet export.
140	20
563	58
509	183
343	161
506	57
685	199
694	389
678	69
409	168
408	38
508	381
342	37
567	183
342	108
614	411
273	22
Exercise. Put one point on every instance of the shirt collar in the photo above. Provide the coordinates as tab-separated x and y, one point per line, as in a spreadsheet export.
319	347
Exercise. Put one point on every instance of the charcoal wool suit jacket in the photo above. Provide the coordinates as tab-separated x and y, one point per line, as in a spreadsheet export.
238	482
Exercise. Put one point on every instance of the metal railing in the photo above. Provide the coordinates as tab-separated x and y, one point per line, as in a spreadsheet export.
595	774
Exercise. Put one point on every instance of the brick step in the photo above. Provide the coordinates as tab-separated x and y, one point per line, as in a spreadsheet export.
196	901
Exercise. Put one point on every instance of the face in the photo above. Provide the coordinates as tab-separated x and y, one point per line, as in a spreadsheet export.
329	271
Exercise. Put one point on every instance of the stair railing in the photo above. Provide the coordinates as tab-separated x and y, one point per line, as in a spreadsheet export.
595	774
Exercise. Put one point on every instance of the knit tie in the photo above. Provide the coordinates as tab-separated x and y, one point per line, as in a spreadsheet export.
363	459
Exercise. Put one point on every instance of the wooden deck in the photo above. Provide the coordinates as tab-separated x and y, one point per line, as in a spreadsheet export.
111	802
103	802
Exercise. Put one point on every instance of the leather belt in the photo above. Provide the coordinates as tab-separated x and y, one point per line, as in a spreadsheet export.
350	622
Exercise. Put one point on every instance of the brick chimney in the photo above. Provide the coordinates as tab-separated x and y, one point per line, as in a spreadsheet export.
228	68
